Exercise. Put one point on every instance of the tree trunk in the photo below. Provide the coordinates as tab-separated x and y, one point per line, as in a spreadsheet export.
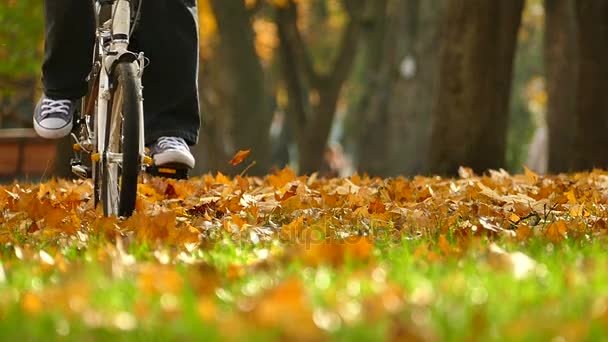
416	86
247	97
400	75
313	96
371	124
561	75
592	97
471	114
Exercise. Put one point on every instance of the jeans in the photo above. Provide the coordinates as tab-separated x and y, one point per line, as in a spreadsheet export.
167	34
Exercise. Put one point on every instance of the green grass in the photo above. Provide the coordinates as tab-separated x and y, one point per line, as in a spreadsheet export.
400	293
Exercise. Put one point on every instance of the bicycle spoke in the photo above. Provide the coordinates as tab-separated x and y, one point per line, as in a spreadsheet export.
113	166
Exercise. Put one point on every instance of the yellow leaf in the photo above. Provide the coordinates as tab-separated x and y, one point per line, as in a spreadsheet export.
514	218
576	210
281	178
531	175
571	197
222	179
44	189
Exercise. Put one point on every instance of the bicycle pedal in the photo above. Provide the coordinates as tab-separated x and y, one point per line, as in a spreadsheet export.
79	169
169	171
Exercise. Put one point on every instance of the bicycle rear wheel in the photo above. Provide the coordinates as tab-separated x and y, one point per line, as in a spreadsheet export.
121	162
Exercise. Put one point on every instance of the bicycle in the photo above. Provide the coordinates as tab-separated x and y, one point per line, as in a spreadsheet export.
109	128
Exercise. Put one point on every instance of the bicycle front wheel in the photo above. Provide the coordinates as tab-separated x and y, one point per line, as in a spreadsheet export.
121	160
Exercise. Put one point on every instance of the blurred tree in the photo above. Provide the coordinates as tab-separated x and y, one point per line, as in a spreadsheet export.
471	114
20	53
592	100
370	122
235	96
20	39
561	74
416	85
398	76
313	94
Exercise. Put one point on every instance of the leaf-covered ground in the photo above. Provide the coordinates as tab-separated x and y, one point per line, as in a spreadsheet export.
497	257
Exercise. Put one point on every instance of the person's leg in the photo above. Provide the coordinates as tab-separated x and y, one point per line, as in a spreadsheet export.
68	48
168	36
68	51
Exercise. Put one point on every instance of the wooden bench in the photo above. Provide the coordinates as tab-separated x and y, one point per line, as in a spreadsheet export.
24	155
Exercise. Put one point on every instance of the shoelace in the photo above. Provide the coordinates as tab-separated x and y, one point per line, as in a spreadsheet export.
172	143
50	106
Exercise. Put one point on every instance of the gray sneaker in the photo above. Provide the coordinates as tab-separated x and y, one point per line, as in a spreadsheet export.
53	118
171	151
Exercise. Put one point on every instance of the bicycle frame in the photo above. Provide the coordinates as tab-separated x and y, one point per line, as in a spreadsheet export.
111	48
113	41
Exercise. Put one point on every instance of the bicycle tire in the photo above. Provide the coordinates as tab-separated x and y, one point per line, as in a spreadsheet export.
119	179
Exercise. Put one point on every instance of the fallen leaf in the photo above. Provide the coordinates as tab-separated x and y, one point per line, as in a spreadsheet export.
286	307
239	157
444	245
377	206
281	178
514	218
556	231
531	175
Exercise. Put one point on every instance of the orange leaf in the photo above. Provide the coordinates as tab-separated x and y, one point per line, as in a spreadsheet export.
291	232
557	231
239	157
523	232
159	279
236	219
359	249
287	306
376	207
281	178
287	195
170	191
444	245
